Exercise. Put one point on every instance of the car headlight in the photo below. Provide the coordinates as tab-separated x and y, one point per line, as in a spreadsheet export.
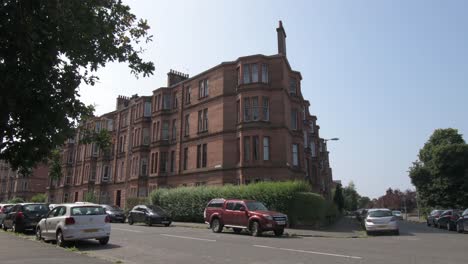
268	217
109	212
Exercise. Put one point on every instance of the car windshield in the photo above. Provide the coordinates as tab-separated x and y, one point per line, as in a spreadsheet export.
156	209
380	213
396	212
112	208
36	208
256	206
87	210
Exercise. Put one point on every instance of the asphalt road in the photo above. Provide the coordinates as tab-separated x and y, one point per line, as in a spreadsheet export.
157	244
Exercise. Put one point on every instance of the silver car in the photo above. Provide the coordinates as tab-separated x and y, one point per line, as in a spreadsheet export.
381	220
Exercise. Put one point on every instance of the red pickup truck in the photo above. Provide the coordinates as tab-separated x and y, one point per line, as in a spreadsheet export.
243	214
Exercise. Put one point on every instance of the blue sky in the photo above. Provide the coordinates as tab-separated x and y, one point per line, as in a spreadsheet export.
380	75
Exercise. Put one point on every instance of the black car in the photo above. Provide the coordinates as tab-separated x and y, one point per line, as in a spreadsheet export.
24	216
462	222
4	209
432	218
149	214
115	213
448	219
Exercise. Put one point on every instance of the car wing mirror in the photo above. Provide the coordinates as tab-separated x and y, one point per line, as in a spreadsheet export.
242	209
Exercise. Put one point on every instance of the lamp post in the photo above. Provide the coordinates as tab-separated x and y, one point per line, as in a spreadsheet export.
331	139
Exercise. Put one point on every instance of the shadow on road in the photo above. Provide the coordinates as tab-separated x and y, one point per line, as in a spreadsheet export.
93	245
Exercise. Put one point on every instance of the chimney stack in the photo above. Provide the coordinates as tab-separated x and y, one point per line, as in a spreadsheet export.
174	77
281	39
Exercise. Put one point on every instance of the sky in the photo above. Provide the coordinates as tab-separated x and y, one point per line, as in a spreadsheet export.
380	75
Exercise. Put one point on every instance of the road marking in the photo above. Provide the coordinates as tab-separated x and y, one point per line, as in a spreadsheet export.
186	237
310	252
129	230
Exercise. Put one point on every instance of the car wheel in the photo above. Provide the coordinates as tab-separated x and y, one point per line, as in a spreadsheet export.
15	228
148	221
449	227
168	224
438	225
368	233
59	238
255	229
237	230
38	233
279	232
123	221
130	221
216	226
396	232
428	224
4	227
104	241
459	228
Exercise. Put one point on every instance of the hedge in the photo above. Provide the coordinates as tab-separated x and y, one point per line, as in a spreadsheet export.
134	201
187	204
311	210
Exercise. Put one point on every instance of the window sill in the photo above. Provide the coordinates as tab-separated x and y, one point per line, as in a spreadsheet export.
202	132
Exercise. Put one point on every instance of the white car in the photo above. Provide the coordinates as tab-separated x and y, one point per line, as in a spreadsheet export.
381	220
70	222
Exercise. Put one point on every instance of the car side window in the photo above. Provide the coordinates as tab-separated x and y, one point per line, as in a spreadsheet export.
466	212
238	206
230	206
52	213
61	211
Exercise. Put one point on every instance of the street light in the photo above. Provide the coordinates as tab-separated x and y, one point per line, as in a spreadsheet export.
332	139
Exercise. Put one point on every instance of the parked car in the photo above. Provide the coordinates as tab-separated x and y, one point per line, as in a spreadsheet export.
243	214
431	219
70	222
397	214
115	213
24	216
149	214
4	208
462	222
381	220
448	219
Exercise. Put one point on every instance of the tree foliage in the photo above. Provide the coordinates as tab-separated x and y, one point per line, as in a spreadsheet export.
39	198
47	49
441	173
338	198
351	197
55	164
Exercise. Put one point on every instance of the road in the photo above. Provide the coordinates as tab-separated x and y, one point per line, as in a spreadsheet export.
141	244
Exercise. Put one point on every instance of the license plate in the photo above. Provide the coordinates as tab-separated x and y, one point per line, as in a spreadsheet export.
90	230
165	222
280	222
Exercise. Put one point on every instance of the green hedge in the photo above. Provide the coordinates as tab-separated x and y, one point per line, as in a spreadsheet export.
187	203
133	201
311	209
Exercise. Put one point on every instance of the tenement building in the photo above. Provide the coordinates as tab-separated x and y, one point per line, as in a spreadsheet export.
14	184
239	122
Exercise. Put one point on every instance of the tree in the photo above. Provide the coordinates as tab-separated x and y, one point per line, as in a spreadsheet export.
90	197
441	173
39	198
47	49
351	197
16	200
338	197
364	202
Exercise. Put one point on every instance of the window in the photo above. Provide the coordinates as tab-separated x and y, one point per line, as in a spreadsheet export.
166	102
172	160
121	174
204	155
154	162
174	99
266	148
203	88
156	131
147	109
165	130
144	166
254	73
105	173
295	155
203	120
246	73
146	137
247	109
255	109
199	156
188	92
307	167
187	125
264	73
266	109
238	150
238	111
163	162
294	119
246	148
185	158
174	129
255	146
292	86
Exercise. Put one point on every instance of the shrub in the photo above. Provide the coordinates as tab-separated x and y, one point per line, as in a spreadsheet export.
133	201
311	209
188	203
39	198
15	200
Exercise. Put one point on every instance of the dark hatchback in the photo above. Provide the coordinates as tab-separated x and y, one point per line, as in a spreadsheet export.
448	219
24	216
149	214
116	214
462	222
432	218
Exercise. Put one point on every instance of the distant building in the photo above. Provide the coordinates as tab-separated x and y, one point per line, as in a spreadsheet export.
239	122
14	184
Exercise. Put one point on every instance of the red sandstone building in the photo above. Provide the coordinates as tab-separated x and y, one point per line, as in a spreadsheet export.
14	184
239	122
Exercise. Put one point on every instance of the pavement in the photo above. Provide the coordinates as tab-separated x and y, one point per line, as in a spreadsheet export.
198	245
